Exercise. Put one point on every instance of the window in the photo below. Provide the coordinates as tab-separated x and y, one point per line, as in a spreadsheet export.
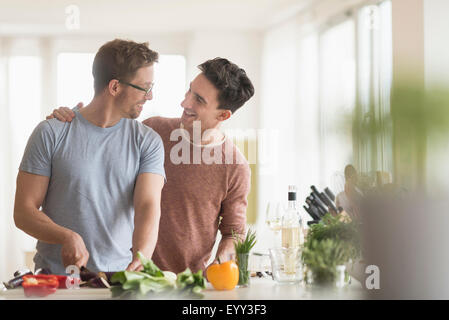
169	88
374	37
25	113
308	126
75	80
349	84
337	100
24	101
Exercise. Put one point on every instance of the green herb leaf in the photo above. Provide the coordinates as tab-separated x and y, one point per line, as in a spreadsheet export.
149	266
246	245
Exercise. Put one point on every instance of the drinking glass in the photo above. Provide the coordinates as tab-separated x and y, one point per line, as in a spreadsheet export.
286	265
273	219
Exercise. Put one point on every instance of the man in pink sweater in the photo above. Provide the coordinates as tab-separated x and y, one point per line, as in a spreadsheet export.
208	179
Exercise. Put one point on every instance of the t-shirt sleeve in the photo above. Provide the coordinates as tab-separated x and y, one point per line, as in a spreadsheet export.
39	150
233	207
152	155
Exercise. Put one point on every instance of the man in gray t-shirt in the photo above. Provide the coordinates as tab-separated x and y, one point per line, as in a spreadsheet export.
99	178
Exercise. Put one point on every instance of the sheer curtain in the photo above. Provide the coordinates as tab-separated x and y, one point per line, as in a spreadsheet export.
308	128
169	88
374	37
337	85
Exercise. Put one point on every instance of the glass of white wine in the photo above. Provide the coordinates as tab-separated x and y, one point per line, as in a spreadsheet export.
273	218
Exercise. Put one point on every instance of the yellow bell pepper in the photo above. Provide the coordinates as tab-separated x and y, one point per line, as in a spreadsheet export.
223	276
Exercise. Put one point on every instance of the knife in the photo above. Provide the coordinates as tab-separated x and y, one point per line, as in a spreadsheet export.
329	202
318	203
329	193
311	213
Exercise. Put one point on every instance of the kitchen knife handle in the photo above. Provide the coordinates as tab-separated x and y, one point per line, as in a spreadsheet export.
329	193
329	202
311	213
319	203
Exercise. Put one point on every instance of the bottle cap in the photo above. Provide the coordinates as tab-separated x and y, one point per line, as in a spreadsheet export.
291	193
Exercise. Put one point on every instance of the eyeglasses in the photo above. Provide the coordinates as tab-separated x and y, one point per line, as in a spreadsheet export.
147	91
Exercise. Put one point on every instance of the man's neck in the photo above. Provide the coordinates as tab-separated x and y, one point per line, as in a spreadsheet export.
208	136
101	113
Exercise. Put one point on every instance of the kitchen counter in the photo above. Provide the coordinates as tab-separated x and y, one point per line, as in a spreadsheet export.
259	289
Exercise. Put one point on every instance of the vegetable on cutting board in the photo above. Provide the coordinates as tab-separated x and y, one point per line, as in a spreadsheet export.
67	282
152	280
223	276
40	285
95	280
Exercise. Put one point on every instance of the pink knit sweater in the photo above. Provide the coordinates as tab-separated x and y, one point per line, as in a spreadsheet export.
198	198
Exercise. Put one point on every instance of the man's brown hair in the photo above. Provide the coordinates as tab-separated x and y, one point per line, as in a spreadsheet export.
120	59
234	86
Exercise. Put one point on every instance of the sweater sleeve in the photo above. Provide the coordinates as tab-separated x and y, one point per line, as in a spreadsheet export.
233	207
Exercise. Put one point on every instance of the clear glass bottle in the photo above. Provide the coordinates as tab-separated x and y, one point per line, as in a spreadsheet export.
292	233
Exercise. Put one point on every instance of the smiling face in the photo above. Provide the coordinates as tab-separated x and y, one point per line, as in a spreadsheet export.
130	101
201	104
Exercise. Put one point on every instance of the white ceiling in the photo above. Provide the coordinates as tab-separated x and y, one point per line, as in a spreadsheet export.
144	16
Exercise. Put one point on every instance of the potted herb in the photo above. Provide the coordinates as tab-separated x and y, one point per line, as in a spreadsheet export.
242	250
332	242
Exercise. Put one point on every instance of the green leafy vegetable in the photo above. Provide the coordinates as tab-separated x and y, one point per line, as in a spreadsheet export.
141	284
190	284
149	266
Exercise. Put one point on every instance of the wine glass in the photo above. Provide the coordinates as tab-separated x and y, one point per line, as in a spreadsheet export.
273	218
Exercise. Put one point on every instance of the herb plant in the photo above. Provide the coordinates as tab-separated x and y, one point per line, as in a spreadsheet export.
330	243
242	250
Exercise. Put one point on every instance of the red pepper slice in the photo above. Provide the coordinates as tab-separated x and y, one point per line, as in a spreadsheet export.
40	285
63	281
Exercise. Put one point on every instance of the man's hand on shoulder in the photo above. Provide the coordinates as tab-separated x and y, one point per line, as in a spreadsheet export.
64	114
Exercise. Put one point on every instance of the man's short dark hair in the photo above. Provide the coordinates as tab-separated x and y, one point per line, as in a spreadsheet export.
120	59
233	84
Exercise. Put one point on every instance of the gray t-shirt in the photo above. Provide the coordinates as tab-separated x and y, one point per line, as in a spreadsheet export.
92	174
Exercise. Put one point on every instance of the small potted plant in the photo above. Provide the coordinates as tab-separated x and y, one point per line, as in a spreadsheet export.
330	245
242	250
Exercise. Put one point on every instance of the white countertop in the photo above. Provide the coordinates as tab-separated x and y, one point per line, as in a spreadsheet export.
259	289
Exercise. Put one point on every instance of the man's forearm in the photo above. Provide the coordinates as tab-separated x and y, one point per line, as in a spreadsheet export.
146	227
38	225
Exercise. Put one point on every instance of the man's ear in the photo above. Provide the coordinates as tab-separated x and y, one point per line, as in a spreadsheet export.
113	87
224	115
